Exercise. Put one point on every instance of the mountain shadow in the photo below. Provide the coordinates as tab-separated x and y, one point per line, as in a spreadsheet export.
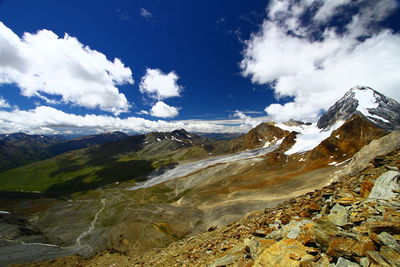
112	172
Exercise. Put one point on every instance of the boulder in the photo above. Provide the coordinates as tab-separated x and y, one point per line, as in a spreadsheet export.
375	258
346	263
290	230
287	252
231	256
339	247
389	241
381	146
383	226
257	245
390	255
321	231
339	215
385	185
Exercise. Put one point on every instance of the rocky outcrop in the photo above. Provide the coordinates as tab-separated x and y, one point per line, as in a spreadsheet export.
262	135
386	186
382	146
348	139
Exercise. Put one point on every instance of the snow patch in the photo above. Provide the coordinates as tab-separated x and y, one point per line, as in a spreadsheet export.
267	144
176	139
366	100
340	163
377	117
310	136
158	140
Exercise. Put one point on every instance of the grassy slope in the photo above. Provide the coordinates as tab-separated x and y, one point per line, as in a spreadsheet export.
97	166
88	169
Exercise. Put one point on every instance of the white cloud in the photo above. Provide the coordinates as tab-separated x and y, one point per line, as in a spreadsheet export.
162	110
145	13
62	70
48	120
4	103
247	121
159	85
317	67
143	112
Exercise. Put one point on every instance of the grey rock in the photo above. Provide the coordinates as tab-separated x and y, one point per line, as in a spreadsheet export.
384	186
364	262
339	215
233	255
290	230
362	158
389	241
346	263
376	258
390	255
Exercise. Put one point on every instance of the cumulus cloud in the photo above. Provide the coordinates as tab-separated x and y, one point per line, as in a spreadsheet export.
301	53
162	110
48	120
159	85
62	70
4	103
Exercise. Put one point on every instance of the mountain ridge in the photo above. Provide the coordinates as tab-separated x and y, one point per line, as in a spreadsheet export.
367	102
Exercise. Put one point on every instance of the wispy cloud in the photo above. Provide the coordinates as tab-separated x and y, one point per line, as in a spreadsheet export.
4	103
301	52
145	13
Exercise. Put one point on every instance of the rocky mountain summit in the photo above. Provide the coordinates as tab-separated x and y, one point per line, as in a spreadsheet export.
364	101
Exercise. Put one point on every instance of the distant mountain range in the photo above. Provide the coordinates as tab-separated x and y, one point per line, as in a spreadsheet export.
360	116
18	149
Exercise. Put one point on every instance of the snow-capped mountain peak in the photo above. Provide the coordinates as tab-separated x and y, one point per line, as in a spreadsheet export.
365	101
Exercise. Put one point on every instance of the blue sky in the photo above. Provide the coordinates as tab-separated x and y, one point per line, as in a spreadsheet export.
203	65
196	39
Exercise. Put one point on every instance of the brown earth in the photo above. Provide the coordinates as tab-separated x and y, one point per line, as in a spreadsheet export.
255	241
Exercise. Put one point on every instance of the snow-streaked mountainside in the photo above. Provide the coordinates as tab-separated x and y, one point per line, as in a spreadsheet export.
377	108
309	136
380	110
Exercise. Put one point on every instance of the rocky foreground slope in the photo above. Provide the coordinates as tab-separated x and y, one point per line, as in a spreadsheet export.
355	221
